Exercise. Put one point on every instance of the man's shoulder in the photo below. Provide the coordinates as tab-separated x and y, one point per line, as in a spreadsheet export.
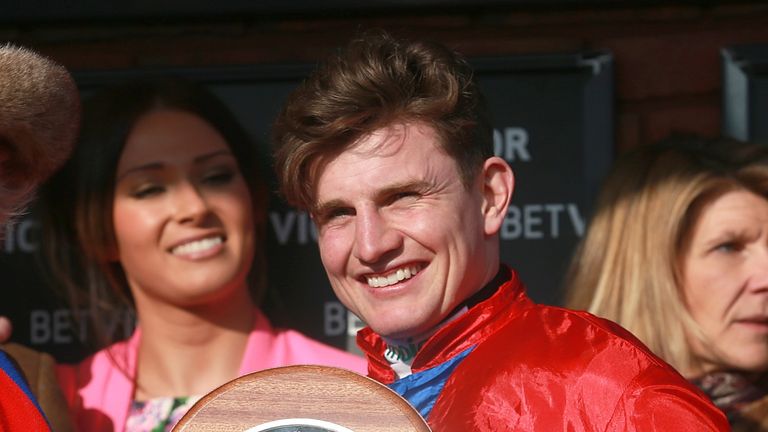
559	337
551	367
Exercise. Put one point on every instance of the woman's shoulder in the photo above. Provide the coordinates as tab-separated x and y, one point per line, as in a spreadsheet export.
312	348
110	365
305	350
274	347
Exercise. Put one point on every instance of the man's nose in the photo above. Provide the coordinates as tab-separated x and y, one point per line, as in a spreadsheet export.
374	236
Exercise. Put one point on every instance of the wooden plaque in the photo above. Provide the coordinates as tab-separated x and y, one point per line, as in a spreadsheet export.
302	399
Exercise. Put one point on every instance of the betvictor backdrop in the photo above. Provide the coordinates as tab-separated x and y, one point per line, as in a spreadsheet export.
553	122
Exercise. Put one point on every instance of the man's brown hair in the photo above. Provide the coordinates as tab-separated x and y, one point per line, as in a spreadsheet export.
375	81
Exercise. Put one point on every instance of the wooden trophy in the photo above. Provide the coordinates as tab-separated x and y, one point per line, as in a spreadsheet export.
302	399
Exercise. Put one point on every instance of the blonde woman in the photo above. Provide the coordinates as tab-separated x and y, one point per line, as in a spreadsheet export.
677	253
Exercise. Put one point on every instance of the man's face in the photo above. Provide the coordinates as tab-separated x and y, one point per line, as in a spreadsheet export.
402	239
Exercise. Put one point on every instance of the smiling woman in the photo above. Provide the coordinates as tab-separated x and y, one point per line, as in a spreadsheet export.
164	224
677	252
175	171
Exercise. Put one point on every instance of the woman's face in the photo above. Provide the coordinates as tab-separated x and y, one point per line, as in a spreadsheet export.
725	282
182	212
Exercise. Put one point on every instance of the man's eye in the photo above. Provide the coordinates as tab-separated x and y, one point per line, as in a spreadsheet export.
338	213
404	195
333	215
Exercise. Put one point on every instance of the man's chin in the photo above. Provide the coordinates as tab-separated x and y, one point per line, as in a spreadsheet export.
391	331
400	330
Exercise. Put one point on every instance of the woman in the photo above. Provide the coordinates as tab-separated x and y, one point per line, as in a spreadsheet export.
153	215
677	253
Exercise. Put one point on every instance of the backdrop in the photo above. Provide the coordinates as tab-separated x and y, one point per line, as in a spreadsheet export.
553	122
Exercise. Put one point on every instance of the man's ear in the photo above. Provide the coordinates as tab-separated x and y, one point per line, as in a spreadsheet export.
498	183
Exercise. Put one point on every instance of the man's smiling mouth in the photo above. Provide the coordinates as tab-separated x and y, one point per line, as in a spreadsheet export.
394	277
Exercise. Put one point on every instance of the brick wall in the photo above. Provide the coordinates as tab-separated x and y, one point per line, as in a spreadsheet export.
667	58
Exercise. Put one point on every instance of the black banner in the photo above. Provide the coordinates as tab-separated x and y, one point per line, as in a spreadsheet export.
745	92
553	121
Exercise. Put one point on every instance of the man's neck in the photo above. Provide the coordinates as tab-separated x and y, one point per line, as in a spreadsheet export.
401	352
484	293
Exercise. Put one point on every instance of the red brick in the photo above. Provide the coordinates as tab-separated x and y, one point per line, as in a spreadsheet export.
628	131
664	65
693	119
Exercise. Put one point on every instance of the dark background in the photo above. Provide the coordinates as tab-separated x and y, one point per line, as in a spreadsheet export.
570	83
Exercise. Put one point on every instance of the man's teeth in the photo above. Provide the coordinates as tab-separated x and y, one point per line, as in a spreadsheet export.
394	277
197	246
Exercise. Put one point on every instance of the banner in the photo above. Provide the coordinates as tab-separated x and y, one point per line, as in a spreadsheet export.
553	122
745	92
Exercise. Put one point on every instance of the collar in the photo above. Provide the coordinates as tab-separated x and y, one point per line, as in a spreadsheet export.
400	353
485	292
486	311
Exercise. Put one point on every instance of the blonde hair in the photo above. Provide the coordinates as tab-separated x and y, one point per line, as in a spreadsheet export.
627	268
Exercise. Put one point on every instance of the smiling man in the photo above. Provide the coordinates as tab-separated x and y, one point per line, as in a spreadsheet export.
388	146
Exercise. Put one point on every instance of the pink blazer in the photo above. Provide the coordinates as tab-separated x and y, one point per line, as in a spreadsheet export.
99	390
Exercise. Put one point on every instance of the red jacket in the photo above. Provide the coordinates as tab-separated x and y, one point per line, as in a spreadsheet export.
508	364
19	410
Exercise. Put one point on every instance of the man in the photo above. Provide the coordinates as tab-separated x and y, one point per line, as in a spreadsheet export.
388	147
39	120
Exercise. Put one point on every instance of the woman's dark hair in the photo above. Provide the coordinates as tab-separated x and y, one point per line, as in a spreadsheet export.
76	203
